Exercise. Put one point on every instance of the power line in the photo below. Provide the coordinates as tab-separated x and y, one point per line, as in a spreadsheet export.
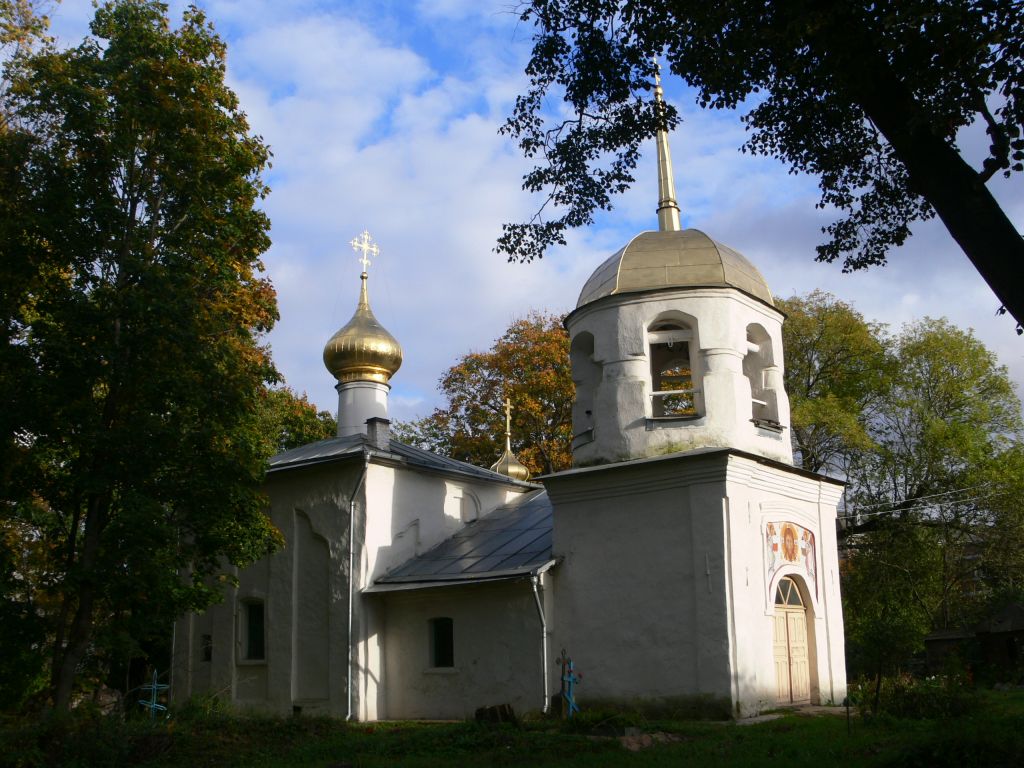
922	498
894	507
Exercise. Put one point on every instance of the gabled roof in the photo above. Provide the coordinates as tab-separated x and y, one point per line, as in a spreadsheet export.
350	446
512	541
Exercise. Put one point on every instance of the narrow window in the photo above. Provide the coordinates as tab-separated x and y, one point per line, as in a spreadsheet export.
672	390
206	647
253	644
442	642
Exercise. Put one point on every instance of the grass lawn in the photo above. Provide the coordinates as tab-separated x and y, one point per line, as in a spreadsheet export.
992	736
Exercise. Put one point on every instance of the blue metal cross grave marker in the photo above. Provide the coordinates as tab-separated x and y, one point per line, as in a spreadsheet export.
570	678
154	689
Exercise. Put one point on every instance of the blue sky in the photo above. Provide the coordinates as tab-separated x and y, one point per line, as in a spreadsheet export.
384	116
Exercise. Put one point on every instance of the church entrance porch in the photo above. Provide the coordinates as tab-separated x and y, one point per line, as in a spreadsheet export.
792	662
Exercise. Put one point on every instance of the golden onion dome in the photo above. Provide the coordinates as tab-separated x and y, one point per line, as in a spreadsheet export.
510	466
363	350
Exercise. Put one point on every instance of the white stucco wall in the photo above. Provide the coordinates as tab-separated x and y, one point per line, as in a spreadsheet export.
757	494
498	651
663	589
359	401
408	513
305	639
636	612
400	512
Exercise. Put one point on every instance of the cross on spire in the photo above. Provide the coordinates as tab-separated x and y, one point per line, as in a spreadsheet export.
508	424
365	244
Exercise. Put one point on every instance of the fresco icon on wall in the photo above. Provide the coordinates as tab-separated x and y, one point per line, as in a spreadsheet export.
787	543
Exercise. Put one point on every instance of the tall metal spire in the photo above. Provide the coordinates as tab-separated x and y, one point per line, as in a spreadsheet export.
668	208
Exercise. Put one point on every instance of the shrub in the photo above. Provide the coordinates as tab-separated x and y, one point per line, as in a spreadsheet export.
904	696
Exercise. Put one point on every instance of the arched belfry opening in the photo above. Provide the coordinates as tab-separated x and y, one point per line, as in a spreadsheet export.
793	642
674	392
764	376
586	377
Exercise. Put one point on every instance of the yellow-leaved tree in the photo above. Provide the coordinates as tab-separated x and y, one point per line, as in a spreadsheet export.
529	364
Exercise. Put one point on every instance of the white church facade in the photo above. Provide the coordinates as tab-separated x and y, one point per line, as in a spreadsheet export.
683	555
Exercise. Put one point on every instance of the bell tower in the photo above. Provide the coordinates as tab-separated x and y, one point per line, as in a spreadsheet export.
676	344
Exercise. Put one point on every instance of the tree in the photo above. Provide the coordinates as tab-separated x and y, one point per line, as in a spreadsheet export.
936	531
290	420
21	25
949	412
22	28
925	427
131	363
867	96
887	580
836	369
530	365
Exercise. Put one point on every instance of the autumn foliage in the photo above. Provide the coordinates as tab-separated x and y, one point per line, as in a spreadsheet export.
530	365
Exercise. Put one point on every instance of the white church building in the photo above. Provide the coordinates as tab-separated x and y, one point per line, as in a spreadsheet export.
683	556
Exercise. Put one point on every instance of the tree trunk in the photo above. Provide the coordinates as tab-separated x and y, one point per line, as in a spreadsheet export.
957	193
67	659
937	171
876	700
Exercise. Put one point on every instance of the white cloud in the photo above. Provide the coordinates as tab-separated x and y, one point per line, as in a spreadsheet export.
384	115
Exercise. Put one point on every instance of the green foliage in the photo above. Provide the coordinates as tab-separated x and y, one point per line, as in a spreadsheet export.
948	465
22	627
925	427
867	96
889	581
836	370
22	28
530	365
290	420
131	362
906	697
987	735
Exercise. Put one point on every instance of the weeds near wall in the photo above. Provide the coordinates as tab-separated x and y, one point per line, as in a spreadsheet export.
906	697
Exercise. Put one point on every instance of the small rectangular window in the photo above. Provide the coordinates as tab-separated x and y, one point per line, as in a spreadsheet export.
442	642
254	636
206	646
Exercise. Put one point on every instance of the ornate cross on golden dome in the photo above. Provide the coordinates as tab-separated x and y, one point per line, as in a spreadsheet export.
508	422
365	244
507	464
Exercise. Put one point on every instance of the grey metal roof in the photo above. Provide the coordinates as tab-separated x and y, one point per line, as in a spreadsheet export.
678	259
338	448
513	540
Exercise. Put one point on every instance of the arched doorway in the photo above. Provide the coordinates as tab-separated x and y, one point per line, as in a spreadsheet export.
792	657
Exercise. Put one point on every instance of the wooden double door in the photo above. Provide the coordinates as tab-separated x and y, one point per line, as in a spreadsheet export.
792	660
